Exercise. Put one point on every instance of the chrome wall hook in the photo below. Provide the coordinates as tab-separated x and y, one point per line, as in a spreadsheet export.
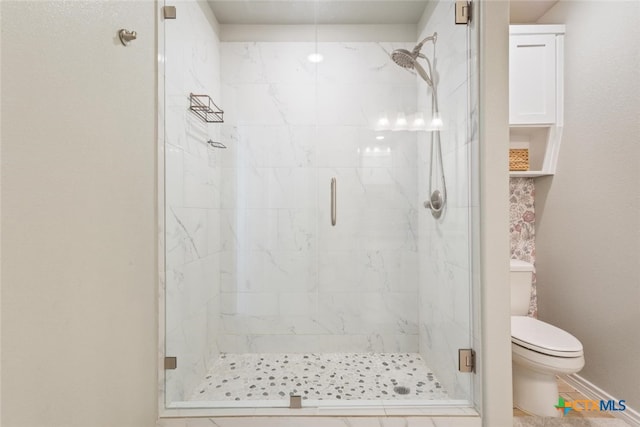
126	36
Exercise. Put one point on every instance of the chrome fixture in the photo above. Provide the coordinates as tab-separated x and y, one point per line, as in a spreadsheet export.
204	107
409	60
400	389
463	12
170	362
295	401
169	12
333	202
436	204
466	360
126	36
216	144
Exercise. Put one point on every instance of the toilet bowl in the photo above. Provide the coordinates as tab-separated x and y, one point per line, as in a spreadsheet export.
540	351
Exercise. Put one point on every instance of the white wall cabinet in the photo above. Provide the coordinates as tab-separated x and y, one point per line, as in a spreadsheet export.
532	79
536	100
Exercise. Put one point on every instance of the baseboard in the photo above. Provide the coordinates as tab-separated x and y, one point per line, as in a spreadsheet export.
590	390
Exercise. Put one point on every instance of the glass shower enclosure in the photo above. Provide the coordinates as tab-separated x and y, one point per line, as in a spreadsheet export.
300	263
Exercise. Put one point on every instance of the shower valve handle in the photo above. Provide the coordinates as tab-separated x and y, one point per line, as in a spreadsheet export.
436	204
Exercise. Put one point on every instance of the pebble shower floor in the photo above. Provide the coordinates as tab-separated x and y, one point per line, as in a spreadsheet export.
322	376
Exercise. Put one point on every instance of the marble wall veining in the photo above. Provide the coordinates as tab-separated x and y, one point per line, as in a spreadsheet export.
445	268
522	230
290	281
192	198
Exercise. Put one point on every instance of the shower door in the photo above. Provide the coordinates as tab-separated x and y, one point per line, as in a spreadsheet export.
299	258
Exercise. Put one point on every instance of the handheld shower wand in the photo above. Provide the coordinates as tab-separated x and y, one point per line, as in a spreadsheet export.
409	60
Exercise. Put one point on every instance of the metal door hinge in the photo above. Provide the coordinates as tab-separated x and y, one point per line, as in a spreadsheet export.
463	12
170	362
466	360
169	12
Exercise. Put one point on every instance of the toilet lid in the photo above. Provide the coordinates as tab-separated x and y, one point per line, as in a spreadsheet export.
544	338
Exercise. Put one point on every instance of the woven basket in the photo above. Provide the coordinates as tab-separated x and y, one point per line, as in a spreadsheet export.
518	159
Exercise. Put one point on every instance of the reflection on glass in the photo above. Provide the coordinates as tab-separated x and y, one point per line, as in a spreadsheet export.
264	298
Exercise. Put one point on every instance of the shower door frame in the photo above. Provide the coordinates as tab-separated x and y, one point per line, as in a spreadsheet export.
345	408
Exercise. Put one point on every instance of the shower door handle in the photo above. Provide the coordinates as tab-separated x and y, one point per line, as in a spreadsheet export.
333	202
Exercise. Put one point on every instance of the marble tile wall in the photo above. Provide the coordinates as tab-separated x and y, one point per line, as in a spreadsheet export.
445	244
192	197
522	221
291	282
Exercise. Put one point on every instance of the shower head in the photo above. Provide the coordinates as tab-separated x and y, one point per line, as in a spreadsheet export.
409	60
403	58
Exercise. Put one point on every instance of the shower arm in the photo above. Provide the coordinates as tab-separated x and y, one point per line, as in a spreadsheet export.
433	38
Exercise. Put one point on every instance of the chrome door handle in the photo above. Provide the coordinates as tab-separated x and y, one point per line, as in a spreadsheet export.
333	202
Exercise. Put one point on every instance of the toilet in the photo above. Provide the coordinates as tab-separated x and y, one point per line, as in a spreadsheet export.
540	351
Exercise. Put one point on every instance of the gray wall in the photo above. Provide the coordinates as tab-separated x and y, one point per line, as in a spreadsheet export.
78	215
588	214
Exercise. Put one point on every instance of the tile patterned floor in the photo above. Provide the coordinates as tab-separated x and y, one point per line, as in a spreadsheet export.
567	422
573	418
327	376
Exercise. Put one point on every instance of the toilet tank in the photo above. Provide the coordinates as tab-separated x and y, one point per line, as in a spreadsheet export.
520	276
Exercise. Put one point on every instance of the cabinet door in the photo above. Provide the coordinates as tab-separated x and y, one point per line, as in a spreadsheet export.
532	79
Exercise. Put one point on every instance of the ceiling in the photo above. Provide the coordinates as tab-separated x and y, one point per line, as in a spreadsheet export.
528	11
301	12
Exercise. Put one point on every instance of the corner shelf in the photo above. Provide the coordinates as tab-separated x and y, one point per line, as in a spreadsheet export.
543	143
